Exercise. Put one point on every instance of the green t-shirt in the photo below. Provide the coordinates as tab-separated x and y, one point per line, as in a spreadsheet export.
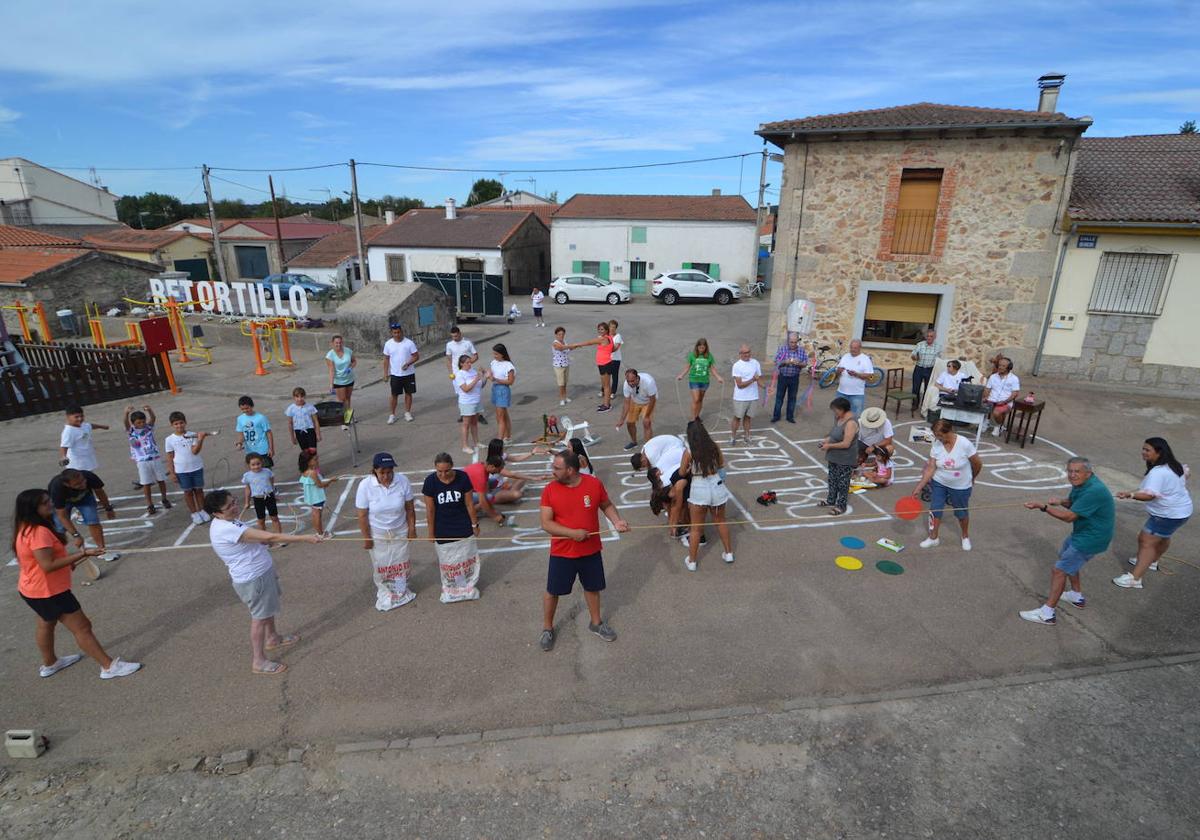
1093	504
698	367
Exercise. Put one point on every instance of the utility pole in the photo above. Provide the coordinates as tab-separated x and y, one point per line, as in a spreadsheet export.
758	210
278	232
364	270
212	223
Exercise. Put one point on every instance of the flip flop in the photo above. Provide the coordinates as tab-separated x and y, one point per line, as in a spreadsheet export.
271	670
836	511
285	641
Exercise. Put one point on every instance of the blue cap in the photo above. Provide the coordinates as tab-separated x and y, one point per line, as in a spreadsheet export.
383	459
395	326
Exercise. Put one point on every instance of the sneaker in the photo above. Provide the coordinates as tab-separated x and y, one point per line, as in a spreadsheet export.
1075	599
546	642
966	543
727	556
483	420
408	418
167	504
119	668
63	662
568	399
1038	616
995	431
1153	566
391	419
603	631
205	516
689	563
703	538
683	538
1127	581
468	451
630	445
603	407
196	520
151	509
562	402
930	542
109	556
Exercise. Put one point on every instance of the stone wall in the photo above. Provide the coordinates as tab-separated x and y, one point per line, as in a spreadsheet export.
1113	349
522	267
995	242
364	317
99	281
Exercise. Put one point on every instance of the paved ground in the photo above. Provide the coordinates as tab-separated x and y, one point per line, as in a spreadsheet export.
783	623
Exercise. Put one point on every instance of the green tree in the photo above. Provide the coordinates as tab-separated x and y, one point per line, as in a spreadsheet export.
149	210
553	196
399	204
1188	127
485	189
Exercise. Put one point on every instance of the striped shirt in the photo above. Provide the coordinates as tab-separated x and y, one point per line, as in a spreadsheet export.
927	353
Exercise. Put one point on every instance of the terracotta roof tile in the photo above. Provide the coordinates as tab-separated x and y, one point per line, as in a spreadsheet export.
19	264
1147	178
134	240
20	237
920	115
704	208
429	228
542	211
333	249
293	230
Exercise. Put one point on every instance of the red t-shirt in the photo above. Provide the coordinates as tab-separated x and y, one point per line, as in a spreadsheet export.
604	351
477	472
33	582
576	507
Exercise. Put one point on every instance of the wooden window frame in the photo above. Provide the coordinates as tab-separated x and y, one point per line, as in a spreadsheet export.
891	203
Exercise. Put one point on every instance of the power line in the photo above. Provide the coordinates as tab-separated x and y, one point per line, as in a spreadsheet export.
579	169
278	168
236	184
122	168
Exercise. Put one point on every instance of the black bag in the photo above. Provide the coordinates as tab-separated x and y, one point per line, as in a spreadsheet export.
970	396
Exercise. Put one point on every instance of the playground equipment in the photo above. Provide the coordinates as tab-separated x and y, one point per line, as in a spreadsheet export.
270	339
97	329
39	310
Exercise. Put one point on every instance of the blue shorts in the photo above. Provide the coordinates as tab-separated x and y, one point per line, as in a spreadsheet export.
191	480
697	386
1161	527
1070	559
501	396
560	579
958	499
87	509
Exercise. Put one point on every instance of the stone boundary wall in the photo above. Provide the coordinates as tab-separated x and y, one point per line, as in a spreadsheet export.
1113	349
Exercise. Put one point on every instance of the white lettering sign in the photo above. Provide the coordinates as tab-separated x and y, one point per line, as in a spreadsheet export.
246	299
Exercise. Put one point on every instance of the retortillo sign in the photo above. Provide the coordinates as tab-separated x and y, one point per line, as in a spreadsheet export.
246	299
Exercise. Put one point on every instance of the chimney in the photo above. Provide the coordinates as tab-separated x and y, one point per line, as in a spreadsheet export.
716	191
450	213
1048	85
389	216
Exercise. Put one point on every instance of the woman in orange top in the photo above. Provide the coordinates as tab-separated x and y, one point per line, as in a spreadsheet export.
604	363
45	584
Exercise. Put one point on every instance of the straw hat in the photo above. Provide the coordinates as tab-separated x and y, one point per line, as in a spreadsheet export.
873	418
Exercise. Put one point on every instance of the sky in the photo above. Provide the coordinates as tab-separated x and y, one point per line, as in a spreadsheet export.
146	92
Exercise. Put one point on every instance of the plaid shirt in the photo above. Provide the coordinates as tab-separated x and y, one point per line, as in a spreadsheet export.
786	354
927	353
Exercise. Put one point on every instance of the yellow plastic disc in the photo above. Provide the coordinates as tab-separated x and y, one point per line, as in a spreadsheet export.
850	564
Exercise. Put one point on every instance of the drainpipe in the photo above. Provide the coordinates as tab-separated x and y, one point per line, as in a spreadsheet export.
1062	255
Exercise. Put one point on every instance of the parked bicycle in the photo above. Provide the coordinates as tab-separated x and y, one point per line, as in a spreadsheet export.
754	289
823	367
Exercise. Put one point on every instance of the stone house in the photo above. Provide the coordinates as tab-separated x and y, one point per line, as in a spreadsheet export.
172	250
426	314
334	259
1124	302
249	249
894	219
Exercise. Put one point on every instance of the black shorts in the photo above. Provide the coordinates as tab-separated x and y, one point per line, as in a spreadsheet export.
608	369
306	438
560	579
55	607
687	488
264	505
403	384
537	312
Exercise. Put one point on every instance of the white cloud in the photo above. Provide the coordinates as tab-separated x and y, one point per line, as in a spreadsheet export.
574	143
309	120
8	115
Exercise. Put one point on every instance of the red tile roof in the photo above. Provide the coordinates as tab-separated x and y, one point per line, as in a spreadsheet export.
429	228
19	237
542	211
333	249
1147	178
19	264
293	230
922	115
704	208
134	240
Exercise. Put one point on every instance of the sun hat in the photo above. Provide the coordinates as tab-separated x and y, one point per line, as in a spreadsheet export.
873	418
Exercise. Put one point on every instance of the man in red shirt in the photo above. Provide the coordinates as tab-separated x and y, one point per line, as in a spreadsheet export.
571	506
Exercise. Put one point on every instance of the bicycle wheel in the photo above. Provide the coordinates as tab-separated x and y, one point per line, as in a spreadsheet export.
827	373
874	379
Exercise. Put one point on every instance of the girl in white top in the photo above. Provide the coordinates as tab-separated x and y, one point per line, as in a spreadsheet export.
252	572
1168	503
503	374
950	472
468	384
704	461
536	300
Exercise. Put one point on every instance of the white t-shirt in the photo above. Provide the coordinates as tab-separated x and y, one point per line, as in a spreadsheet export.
181	445
646	388
1171	495
245	560
953	467
743	369
501	369
852	385
384	505
457	349
618	342
665	453
873	436
946	379
461	378
302	416
81	454
536	299
1000	389
399	354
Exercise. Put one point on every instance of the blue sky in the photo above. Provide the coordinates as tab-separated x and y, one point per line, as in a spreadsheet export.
501	85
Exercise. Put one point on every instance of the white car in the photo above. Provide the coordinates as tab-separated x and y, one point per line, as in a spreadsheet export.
581	287
689	284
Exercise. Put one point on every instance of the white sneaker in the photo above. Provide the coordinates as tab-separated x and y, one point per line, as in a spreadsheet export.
196	520
63	662
1153	566
205	517
109	556
562	402
930	542
727	556
1075	599
468	451
1125	581
119	668
391	419
683	538
995	431
966	543
689	564
568	399
408	418
1039	616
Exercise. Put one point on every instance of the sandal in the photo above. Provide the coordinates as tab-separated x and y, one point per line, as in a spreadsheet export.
835	511
284	641
271	670
824	504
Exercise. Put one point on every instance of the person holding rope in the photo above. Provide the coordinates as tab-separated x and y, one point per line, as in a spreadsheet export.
747	374
387	521
81	490
1092	513
841	454
641	398
790	361
705	464
341	362
452	524
950	472
1168	506
698	369
560	360
604	351
44	583
244	552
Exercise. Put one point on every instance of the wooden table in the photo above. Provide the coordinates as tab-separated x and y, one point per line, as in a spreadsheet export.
1021	415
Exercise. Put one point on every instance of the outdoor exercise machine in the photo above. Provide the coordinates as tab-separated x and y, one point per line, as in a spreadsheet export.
271	343
39	311
97	329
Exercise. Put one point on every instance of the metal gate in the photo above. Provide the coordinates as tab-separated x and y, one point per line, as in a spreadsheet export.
475	295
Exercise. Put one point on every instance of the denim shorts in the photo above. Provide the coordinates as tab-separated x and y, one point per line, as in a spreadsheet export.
958	499
1070	559
1160	526
501	396
697	386
87	509
191	480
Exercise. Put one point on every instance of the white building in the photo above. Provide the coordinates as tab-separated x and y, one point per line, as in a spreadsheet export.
631	238
34	195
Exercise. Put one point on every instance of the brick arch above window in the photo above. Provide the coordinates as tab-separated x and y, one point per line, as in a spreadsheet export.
903	231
